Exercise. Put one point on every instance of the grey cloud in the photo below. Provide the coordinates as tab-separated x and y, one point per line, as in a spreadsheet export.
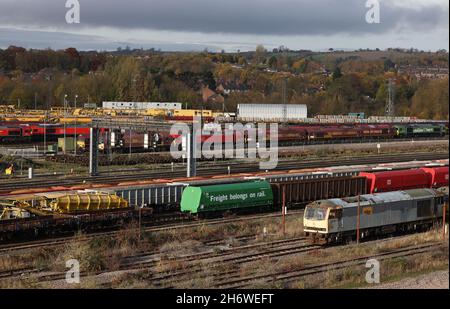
261	17
61	40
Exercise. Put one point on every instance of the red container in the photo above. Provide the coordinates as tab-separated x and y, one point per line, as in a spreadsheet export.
396	180
438	176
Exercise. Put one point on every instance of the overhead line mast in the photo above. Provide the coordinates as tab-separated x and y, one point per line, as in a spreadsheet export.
389	110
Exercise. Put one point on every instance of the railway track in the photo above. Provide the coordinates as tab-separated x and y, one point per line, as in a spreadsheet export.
225	271
139	262
19	272
21	246
219	169
292	275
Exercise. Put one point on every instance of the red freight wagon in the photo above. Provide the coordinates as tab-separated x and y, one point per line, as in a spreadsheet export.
71	130
396	180
290	134
439	176
10	134
378	130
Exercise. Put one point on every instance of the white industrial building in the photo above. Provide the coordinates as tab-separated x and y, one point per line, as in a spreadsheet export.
271	112
141	105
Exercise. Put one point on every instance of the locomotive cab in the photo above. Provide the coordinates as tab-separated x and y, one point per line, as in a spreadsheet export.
322	219
319	216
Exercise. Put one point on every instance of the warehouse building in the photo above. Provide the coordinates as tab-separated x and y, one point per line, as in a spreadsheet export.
271	112
141	105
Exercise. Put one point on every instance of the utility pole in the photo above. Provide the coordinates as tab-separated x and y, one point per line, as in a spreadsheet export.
444	207
191	150
93	151
64	116
35	101
140	222
283	90
45	133
76	118
358	220
284	210
130	136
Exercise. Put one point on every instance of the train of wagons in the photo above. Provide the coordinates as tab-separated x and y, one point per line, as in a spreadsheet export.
204	199
212	199
161	141
338	220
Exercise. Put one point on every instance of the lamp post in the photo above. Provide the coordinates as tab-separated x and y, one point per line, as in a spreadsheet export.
284	210
358	222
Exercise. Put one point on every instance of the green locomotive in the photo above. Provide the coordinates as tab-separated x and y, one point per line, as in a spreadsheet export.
420	130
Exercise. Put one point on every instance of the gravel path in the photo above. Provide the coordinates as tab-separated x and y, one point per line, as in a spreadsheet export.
434	280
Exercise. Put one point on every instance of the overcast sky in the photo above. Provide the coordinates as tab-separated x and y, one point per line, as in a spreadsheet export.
225	24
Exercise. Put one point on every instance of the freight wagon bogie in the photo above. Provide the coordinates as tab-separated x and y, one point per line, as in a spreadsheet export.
372	233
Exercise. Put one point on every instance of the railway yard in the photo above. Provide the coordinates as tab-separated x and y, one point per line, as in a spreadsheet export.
95	188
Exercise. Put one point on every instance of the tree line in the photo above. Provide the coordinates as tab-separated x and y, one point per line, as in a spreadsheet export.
329	83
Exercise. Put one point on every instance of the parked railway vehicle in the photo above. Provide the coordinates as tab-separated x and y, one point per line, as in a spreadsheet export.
420	130
261	194
202	198
150	141
288	134
432	177
438	176
10	134
219	198
84	202
372	215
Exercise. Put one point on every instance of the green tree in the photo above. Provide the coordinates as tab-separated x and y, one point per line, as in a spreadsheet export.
260	54
337	73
